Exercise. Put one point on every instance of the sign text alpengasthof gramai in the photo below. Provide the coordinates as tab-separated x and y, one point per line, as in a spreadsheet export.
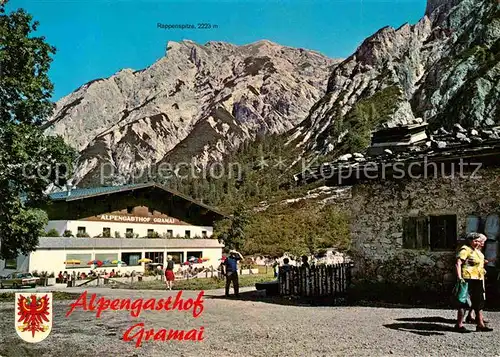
165	220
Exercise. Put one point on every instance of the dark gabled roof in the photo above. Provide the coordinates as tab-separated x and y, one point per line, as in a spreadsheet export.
83	193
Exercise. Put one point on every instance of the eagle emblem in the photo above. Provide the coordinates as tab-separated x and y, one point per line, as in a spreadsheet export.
33	316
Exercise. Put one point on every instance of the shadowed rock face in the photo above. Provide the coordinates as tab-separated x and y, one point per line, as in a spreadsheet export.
444	69
196	103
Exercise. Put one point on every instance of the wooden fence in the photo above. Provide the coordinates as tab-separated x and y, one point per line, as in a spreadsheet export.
321	280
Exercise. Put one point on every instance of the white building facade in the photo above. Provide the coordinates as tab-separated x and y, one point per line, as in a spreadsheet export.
59	254
117	230
120	227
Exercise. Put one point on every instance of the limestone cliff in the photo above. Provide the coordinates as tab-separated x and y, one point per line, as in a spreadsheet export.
197	103
444	69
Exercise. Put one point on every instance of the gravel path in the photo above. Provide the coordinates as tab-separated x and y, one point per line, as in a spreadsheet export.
253	328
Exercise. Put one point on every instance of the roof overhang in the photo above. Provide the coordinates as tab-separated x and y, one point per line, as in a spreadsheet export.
130	188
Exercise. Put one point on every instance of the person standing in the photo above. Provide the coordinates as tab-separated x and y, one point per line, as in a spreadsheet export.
276	267
305	263
469	319
169	272
470	269
231	271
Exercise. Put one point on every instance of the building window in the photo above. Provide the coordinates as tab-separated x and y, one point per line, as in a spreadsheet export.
81	230
11	264
130	209
107	259
443	232
188	234
131	259
156	257
129	233
203	234
170	233
434	232
177	257
197	255
153	234
74	261
106	232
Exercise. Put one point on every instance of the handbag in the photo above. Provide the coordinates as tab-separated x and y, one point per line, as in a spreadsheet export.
460	294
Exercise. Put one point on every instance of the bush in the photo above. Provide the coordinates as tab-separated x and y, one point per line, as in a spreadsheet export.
52	233
307	230
129	235
68	233
117	234
82	235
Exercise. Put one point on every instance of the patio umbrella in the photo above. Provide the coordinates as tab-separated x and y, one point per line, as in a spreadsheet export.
72	261
200	260
116	262
186	263
205	259
144	260
192	259
107	262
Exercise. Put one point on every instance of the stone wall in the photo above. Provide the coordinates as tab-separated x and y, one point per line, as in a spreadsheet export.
377	230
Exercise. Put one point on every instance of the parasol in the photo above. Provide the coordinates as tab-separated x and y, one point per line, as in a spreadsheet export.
144	260
72	261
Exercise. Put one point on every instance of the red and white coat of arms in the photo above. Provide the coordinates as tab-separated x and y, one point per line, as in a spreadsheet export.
33	316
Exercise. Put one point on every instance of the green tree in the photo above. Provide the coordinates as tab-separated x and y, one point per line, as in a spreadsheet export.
29	161
52	233
231	231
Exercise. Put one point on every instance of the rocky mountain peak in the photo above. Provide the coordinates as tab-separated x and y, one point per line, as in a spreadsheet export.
200	102
196	103
443	69
433	5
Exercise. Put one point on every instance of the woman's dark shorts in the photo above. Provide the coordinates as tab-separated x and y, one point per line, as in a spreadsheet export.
476	293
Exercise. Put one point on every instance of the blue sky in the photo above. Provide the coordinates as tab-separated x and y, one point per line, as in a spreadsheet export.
96	38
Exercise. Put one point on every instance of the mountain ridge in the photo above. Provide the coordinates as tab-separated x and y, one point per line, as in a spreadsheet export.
264	87
417	65
199	103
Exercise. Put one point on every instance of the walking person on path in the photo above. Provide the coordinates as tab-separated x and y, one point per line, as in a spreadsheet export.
470	269
231	271
169	272
469	319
